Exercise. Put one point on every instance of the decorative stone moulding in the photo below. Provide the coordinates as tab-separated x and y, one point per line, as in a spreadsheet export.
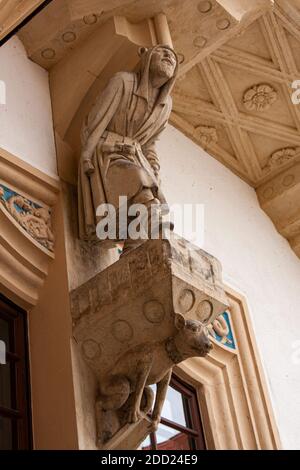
230	385
136	309
206	135
27	197
205	6
280	199
32	217
280	157
260	97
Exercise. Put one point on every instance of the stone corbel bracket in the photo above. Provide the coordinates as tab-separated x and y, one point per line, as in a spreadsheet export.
134	304
27	197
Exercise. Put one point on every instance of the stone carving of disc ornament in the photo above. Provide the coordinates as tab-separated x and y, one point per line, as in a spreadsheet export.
122	331
154	311
186	300
204	311
91	349
260	97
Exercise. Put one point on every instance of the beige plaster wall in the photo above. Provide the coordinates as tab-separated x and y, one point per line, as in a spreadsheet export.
84	261
53	404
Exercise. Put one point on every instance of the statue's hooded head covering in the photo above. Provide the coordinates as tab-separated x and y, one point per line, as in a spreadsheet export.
144	72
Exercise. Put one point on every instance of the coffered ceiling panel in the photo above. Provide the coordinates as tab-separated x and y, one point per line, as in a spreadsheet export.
252	125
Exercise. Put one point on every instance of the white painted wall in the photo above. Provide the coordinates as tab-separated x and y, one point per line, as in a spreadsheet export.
256	261
26	120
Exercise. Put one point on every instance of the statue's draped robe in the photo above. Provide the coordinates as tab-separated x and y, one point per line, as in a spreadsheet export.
121	113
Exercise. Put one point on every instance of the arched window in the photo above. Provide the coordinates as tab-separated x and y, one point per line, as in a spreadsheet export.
181	426
14	380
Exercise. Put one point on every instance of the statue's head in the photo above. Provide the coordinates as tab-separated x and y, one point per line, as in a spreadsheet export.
163	62
160	62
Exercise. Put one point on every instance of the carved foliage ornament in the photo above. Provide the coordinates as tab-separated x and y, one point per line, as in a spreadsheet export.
260	97
280	157
206	135
33	218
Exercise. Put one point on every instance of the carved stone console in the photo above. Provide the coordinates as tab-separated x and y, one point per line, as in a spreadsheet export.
137	319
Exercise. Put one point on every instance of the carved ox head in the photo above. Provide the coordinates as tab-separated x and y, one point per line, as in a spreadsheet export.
192	339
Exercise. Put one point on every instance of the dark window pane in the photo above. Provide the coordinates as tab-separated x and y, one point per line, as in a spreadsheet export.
14	390
5	385
6	434
4	333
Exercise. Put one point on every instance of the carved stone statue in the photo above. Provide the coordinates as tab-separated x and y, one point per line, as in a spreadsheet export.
151	363
118	139
150	310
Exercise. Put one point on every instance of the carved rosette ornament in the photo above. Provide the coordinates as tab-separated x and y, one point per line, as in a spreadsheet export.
32	217
260	97
134	321
206	135
280	157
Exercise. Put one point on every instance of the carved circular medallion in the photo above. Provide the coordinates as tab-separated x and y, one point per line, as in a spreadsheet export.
90	19
69	36
122	331
48	54
223	24
260	97
268	192
204	311
200	41
186	300
91	349
288	180
205	6
154	311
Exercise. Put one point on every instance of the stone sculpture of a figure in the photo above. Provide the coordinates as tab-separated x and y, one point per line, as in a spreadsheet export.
118	139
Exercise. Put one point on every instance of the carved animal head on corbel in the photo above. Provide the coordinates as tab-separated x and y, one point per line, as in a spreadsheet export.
191	340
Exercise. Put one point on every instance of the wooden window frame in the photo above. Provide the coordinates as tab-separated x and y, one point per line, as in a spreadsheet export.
194	429
20	412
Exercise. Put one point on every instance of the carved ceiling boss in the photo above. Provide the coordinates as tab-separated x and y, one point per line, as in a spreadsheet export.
118	139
